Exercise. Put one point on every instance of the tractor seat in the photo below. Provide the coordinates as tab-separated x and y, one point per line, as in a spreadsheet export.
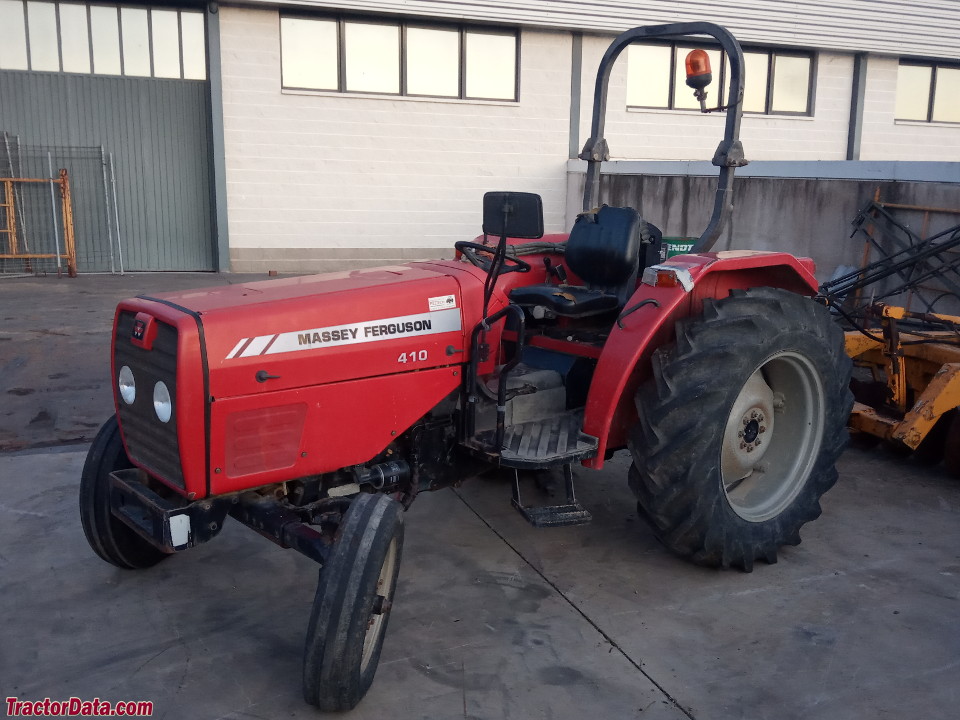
604	251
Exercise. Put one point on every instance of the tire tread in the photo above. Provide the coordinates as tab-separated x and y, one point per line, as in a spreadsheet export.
675	448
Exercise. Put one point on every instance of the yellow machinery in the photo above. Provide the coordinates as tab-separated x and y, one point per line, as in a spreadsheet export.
906	380
912	398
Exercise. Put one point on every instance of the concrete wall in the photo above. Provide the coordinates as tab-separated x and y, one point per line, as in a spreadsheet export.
887	139
809	217
327	180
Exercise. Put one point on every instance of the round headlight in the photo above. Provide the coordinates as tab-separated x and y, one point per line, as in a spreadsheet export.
128	387
162	403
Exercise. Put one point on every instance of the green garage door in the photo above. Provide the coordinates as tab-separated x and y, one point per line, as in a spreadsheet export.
75	78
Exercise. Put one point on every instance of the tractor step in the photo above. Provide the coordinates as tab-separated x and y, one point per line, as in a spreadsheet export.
570	513
537	444
555	515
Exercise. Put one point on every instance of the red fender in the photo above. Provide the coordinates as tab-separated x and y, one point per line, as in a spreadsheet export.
625	361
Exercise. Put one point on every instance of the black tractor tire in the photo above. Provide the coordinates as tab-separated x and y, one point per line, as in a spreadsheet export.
740	427
951	456
109	537
352	605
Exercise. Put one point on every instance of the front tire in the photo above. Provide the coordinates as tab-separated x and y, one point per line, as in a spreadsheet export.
741	426
351	608
107	535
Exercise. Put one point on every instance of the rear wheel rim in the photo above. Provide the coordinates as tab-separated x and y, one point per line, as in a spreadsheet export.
378	619
772	436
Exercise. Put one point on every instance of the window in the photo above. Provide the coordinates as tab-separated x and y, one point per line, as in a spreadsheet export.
102	39
928	92
193	46
432	62
775	82
491	60
74	39
398	58
135	32
42	23
308	53
165	41
373	58
13	49
105	36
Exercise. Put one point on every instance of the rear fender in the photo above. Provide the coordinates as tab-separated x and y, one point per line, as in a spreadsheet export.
625	362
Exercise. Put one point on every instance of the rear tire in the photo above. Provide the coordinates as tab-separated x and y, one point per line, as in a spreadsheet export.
741	426
351	607
109	537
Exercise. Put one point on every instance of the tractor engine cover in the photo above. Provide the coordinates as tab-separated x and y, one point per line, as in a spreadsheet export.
284	378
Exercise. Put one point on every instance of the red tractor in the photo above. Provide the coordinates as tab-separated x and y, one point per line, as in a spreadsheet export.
315	409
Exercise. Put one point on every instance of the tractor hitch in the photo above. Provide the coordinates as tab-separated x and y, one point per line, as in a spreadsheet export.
166	524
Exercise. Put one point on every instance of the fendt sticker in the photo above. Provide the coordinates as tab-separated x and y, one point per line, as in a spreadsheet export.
429	323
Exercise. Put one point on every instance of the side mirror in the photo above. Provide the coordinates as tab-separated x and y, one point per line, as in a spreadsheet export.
513	214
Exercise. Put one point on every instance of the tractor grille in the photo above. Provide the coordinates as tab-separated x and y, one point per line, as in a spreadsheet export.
152	444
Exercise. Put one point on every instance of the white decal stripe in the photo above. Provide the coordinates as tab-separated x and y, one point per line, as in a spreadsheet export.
395	328
267	348
257	345
236	348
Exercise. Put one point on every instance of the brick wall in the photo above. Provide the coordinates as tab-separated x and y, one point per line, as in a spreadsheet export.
325	181
328	181
686	135
887	139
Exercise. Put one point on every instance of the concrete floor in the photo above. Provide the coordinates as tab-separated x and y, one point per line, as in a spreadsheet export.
494	619
55	384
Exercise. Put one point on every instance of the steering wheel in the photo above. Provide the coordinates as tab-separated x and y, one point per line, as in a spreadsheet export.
470	249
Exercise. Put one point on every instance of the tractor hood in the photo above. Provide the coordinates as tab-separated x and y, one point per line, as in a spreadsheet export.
306	331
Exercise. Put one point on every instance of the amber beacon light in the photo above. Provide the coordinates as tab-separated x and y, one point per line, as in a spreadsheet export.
699	75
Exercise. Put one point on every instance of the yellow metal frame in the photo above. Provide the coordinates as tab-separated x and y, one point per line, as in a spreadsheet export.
66	215
927	373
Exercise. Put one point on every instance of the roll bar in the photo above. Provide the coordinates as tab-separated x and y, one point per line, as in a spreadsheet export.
729	155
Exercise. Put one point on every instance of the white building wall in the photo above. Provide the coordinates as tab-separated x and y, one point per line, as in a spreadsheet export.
929	28
327	180
690	135
887	139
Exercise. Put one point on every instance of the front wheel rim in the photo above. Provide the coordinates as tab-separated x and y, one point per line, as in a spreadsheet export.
383	595
772	436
